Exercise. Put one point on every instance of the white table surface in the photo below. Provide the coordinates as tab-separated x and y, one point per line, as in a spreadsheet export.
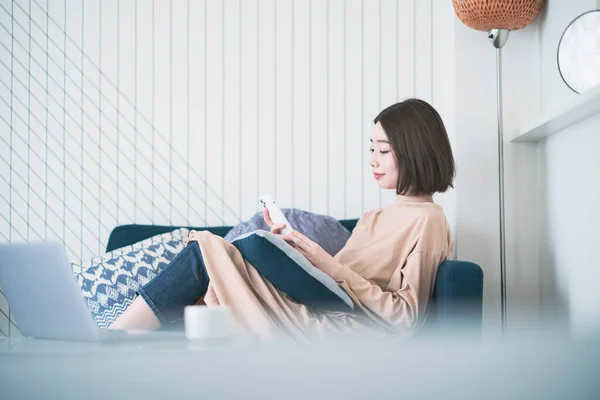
523	367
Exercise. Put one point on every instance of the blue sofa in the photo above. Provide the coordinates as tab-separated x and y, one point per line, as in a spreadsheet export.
457	295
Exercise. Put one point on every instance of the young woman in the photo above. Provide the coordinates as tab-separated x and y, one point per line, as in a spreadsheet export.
388	266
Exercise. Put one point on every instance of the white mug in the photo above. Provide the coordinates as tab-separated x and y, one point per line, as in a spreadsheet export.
203	322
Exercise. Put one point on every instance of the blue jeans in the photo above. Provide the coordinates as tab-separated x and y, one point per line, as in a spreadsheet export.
181	283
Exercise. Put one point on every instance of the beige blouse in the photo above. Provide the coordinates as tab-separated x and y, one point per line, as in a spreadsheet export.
389	264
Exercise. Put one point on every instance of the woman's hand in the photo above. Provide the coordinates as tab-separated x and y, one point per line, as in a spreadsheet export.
275	228
309	249
312	251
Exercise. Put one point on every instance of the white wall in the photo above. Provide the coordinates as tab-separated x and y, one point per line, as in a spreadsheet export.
184	113
569	193
569	168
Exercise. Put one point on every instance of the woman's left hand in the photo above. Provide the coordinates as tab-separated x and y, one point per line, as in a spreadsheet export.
309	249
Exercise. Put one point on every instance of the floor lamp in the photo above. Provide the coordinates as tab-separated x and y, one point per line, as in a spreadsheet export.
498	18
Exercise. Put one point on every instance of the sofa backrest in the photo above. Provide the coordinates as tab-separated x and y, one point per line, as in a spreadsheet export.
125	235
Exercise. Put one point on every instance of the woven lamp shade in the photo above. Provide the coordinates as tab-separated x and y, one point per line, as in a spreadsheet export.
484	15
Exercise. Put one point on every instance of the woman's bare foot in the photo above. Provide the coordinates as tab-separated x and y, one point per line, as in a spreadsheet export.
200	301
138	316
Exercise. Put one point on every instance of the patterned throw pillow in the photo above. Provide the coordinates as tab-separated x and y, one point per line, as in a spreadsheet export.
109	282
324	230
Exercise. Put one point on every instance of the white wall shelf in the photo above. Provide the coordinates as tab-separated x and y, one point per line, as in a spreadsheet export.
582	107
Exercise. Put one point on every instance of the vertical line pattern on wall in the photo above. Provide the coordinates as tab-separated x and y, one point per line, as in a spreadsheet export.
310	130
223	112
135	117
153	110
82	131
328	90
345	122
414	52
258	95
100	119
240	100
205	109
187	86
12	76
379	79
130	124
292	103
275	96
397	51
46	175
431	47
126	100
170	112
64	232
29	129
118	103
362	101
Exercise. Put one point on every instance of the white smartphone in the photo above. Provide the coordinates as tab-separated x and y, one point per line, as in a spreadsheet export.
275	212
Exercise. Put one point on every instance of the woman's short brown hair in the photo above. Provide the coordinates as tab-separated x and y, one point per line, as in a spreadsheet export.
421	147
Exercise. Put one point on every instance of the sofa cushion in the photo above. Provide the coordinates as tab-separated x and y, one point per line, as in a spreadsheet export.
290	272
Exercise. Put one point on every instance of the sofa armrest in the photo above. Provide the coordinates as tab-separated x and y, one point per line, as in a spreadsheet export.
457	297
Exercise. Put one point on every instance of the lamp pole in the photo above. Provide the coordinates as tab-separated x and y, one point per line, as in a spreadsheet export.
498	38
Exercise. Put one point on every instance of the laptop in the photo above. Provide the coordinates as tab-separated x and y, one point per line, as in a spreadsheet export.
45	299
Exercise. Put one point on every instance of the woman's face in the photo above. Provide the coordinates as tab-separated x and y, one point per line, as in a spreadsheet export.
383	161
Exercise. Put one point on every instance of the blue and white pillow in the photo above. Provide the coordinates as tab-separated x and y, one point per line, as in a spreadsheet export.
109	282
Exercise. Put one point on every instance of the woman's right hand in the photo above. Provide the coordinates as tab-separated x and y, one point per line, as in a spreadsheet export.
275	228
